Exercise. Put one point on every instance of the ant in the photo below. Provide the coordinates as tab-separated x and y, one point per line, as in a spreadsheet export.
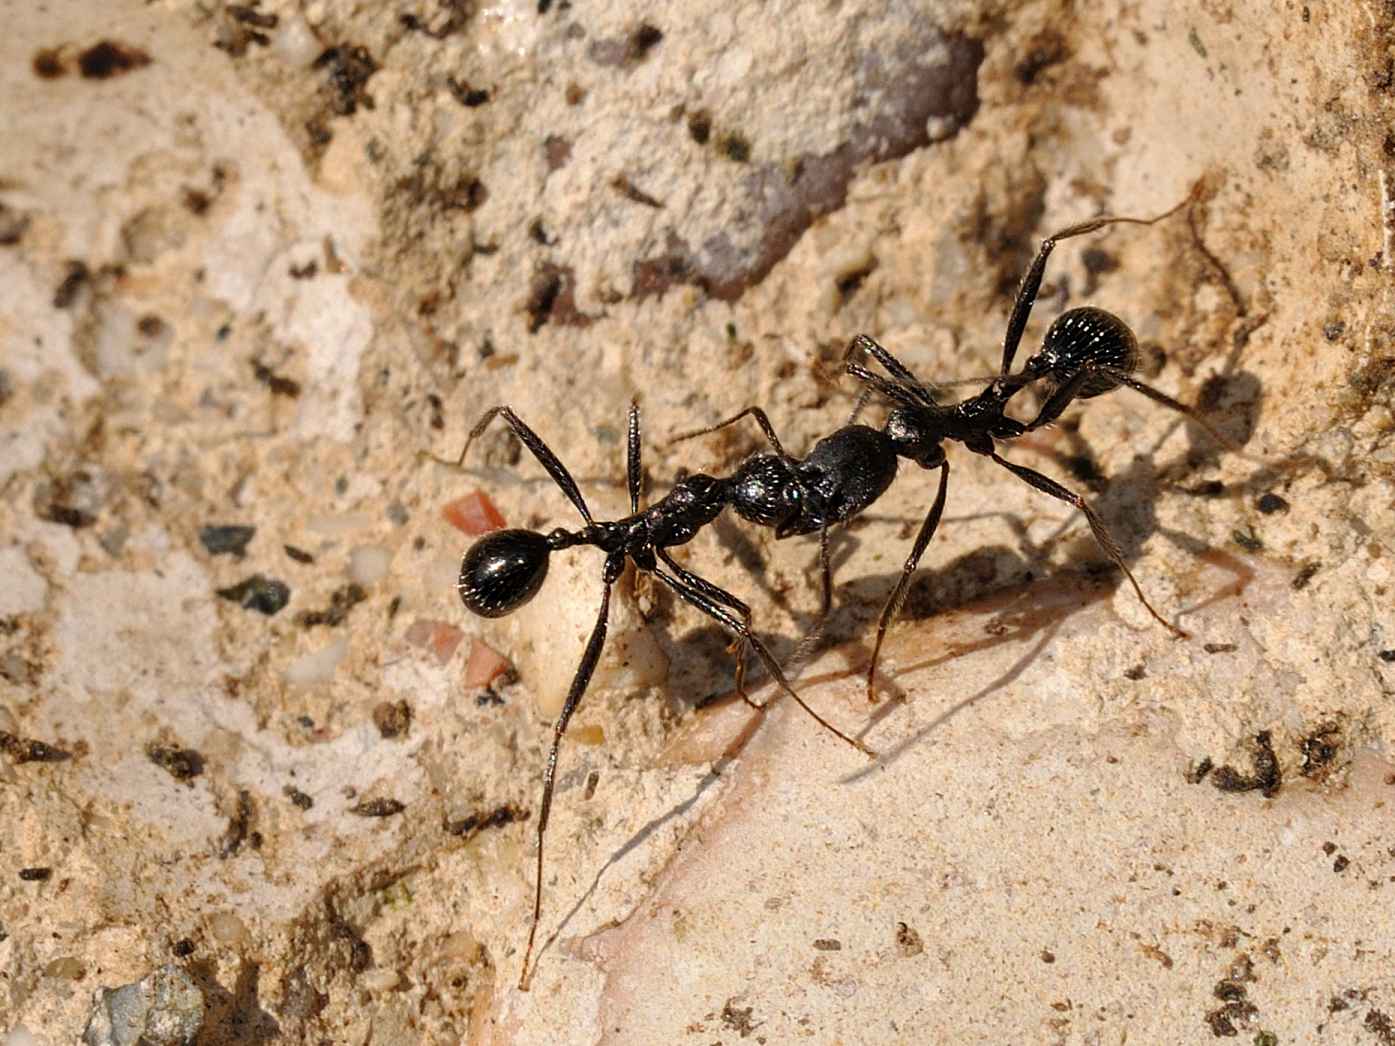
504	570
1085	353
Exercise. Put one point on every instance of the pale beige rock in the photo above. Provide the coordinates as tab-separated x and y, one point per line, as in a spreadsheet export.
305	265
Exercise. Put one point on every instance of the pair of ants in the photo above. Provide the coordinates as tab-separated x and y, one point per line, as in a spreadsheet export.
1086	352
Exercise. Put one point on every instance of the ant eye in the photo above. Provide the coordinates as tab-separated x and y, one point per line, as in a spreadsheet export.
502	571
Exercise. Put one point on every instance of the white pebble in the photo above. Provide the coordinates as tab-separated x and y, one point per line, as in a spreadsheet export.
318	665
24	590
339	524
368	564
227	928
379	980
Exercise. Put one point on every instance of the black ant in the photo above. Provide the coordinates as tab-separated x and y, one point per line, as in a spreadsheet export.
1086	352
504	570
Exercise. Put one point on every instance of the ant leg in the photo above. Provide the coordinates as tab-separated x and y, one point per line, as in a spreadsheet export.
754	412
1059	400
634	476
713	608
580	681
534	443
812	637
1102	536
725	598
1062	397
892	390
859	405
1181	408
903	585
1031	281
894	367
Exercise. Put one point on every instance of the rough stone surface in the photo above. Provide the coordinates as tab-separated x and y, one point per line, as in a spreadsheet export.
256	257
164	1009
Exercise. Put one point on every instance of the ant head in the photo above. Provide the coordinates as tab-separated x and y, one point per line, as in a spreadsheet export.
502	571
1085	338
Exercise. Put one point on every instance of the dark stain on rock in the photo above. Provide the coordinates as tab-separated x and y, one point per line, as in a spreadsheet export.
377	808
183	764
341	601
48	63
349	67
28	750
552	299
1266	777
110	58
471	826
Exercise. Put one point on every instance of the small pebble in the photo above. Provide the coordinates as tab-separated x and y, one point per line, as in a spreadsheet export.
474	514
341	601
258	592
368	564
226	539
485	665
318	666
65	968
392	718
438	638
227	928
379	980
164	1009
377	808
28	750
183	764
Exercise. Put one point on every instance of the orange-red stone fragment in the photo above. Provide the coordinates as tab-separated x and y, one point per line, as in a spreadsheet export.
474	514
485	665
435	637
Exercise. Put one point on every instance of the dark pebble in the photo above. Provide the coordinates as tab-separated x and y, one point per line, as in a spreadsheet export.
377	808
470	826
228	539
260	593
392	718
183	764
1271	503
28	750
35	875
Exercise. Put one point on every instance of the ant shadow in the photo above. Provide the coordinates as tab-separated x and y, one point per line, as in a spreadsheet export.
1126	502
645	832
236	1015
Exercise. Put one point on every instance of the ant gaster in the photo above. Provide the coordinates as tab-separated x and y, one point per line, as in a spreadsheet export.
505	569
1086	352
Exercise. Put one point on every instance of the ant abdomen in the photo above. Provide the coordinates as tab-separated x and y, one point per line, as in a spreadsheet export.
1079	338
502	571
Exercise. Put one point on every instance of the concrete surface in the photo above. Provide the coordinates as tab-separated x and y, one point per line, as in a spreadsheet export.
254	259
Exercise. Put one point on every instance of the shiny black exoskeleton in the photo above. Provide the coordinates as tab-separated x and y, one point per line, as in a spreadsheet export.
504	570
1086	352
